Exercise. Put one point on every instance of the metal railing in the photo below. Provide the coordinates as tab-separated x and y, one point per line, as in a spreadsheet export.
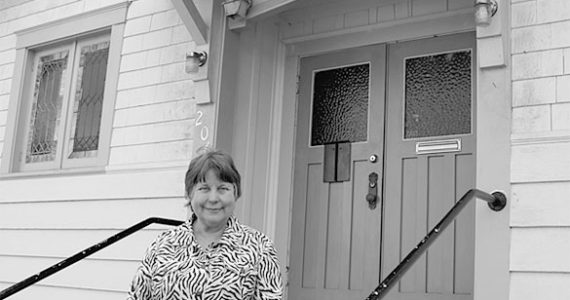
83	254
496	201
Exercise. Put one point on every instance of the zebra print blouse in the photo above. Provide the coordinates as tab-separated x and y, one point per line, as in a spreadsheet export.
242	265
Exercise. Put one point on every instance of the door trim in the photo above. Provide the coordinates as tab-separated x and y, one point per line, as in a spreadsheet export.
493	147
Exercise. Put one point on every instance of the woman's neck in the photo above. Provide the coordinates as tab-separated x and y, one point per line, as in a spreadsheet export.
205	235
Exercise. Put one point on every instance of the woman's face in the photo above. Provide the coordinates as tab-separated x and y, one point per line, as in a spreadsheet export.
213	201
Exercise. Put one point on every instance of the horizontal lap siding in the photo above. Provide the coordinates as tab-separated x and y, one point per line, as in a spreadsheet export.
350	15
45	219
540	163
37	232
540	249
60	244
543	286
111	185
87	214
99	274
540	204
42	291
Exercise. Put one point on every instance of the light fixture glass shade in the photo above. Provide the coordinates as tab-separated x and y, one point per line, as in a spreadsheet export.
482	16
484	10
194	60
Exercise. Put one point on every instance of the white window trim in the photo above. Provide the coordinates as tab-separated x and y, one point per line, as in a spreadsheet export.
108	18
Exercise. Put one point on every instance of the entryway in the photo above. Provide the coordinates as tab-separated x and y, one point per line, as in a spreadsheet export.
385	144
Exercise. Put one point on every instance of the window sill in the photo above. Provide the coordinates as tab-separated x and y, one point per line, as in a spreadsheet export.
149	166
52	173
139	167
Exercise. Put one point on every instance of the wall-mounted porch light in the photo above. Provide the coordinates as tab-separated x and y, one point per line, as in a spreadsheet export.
484	10
236	8
194	60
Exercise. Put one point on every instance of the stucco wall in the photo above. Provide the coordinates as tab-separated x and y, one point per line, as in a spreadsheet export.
46	218
540	268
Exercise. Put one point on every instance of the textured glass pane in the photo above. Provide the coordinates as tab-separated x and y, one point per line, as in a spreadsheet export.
340	105
438	95
88	102
46	107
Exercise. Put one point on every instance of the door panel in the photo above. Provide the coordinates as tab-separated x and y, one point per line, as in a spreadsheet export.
422	186
341	247
335	243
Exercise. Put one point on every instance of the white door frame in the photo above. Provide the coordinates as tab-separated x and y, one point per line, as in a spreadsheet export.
493	146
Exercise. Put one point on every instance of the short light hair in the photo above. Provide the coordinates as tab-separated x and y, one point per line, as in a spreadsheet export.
220	162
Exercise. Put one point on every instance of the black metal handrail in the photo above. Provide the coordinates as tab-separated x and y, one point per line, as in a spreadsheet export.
496	201
81	255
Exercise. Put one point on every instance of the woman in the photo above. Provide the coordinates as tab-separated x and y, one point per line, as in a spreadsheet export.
211	256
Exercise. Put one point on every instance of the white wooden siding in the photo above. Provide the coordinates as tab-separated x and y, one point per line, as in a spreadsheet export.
543	286
47	243
41	291
154	113
90	273
155	94
112	185
87	214
540	227
540	204
155	109
548	242
4	102
342	16
180	151
152	133
44	219
541	161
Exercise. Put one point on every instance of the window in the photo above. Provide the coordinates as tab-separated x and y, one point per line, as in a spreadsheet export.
64	119
60	116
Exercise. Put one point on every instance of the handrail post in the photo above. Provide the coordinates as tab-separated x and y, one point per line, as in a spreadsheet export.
496	201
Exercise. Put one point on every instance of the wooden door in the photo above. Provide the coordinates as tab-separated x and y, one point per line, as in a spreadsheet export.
335	245
341	247
430	163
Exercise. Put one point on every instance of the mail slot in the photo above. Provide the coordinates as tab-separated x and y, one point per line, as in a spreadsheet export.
337	162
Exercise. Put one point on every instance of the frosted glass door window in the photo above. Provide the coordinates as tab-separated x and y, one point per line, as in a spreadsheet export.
438	95
340	105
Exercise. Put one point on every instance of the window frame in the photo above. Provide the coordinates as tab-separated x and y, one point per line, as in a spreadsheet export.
29	42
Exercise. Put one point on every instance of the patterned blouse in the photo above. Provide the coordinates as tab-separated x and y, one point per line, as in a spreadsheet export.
242	265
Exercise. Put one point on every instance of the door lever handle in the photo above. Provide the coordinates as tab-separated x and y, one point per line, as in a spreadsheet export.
372	196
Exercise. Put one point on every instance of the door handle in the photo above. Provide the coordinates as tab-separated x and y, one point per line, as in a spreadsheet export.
372	196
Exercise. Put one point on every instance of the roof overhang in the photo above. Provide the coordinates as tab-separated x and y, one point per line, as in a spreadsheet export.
261	9
196	16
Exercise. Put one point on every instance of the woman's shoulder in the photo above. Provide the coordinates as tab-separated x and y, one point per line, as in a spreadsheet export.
180	234
255	236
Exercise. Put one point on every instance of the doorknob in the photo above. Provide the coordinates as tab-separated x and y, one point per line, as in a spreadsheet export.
372	196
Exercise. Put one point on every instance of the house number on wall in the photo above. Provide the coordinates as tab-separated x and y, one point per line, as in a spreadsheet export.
204	132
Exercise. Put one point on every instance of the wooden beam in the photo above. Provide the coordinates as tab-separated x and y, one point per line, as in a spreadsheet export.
267	8
194	22
259	11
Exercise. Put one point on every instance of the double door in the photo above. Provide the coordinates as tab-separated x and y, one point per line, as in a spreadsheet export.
384	147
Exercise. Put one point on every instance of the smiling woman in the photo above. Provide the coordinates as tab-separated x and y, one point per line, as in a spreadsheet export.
212	187
212	255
